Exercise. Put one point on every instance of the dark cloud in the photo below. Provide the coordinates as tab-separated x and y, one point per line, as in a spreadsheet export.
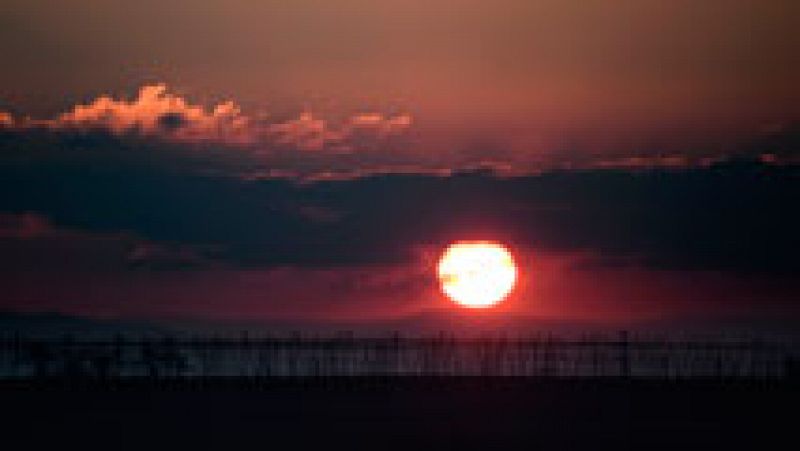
29	243
172	121
735	216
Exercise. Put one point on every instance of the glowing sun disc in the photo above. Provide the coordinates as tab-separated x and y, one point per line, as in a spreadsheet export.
477	273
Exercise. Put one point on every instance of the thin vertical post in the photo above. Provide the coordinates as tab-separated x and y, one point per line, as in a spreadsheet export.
624	358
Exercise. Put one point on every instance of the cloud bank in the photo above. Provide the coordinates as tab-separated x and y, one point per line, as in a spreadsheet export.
155	112
312	147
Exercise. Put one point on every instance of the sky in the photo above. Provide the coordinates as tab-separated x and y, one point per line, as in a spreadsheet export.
307	162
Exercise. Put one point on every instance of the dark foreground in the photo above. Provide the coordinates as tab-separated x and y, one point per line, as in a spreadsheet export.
469	413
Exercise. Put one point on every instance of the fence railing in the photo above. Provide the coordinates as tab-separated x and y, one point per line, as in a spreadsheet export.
298	356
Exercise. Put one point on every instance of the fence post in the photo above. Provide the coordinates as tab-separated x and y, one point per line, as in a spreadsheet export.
624	360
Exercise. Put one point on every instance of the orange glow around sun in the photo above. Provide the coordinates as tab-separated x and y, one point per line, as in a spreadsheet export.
477	274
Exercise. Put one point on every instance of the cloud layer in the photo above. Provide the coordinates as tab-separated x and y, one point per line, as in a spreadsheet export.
733	217
311	147
155	112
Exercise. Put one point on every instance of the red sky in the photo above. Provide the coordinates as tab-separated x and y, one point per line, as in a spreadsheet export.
545	66
303	160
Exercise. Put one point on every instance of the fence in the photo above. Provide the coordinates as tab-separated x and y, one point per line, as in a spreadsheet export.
298	356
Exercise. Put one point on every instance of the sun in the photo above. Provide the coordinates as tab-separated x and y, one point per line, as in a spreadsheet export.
477	274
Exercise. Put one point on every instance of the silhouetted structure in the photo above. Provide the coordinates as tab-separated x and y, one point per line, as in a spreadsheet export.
344	355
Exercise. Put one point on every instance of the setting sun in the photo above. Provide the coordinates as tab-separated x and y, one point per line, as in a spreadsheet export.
477	273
